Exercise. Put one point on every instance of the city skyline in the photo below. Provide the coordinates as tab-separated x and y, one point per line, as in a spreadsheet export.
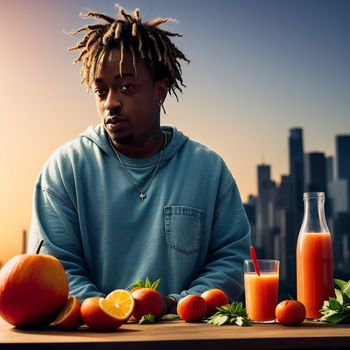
311	154
257	69
276	213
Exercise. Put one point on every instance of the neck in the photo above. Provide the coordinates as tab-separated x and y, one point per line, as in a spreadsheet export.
140	149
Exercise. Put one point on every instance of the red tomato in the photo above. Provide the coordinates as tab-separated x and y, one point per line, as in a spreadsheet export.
290	312
214	298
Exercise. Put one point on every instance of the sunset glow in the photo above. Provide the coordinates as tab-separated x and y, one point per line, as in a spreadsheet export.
258	68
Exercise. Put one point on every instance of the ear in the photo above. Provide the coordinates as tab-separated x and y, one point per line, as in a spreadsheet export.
162	88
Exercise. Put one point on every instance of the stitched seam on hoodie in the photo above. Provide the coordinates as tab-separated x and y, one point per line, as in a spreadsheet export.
54	194
226	193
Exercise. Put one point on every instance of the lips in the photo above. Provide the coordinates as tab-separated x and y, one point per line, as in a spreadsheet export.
116	123
115	119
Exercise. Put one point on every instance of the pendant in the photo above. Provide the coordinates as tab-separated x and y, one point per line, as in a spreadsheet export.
142	196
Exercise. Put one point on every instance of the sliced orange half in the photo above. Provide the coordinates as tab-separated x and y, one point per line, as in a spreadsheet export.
98	314
123	303
69	317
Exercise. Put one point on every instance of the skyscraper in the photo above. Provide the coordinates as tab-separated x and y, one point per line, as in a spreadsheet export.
343	159
338	195
315	172
329	169
316	177
287	235
329	179
342	220
296	170
263	239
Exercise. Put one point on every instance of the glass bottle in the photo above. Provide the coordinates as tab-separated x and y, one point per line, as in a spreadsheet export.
314	256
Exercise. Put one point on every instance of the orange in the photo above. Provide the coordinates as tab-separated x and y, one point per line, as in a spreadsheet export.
192	308
33	290
69	317
214	298
100	314
123	301
290	312
147	301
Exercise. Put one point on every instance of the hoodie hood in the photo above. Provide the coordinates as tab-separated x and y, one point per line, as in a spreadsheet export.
97	135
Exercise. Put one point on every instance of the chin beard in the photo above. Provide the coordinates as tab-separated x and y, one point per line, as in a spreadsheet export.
125	140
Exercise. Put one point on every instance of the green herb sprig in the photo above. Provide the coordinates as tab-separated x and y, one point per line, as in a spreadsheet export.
145	284
230	314
147	319
337	310
170	317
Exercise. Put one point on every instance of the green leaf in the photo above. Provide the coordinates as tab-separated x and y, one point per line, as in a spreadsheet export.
148	283
147	319
232	321
337	310
325	304
340	283
220	320
209	320
155	284
328	312
242	322
334	304
229	314
239	308
335	318
170	317
136	284
224	308
339	296
239	321
346	289
346	299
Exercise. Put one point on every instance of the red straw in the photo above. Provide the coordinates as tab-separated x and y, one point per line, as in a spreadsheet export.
255	260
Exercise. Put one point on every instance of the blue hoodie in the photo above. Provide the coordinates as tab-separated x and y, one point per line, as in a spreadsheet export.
191	231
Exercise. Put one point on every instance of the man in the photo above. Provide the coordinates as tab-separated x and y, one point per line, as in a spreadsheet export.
129	198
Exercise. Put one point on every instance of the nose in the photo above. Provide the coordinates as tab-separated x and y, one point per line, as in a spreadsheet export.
113	101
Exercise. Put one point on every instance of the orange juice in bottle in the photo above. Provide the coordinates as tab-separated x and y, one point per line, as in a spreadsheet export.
314	256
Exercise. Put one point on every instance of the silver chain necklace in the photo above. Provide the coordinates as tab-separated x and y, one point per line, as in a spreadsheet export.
140	191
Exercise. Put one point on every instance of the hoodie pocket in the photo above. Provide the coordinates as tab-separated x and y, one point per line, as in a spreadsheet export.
184	228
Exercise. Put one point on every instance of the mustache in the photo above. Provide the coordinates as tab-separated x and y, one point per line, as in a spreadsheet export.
113	112
114	117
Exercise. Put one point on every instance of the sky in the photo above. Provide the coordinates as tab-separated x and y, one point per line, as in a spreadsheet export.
258	68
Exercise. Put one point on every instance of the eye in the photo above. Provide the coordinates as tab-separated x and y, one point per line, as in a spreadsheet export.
100	92
127	87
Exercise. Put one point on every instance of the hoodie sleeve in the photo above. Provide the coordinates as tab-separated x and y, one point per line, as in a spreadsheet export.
55	222
228	247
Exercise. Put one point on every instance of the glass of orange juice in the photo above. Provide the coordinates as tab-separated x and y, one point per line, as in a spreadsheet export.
261	292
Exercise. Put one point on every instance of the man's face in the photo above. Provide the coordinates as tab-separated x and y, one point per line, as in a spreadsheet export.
128	104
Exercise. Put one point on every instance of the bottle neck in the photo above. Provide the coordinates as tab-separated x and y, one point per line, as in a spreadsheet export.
314	215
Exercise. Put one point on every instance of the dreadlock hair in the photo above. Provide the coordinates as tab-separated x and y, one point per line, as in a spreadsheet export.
144	40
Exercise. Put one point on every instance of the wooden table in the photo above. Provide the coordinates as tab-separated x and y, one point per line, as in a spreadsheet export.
179	335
